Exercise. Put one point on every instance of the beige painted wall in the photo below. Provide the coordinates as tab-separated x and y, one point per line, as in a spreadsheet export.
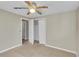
77	31
10	30
61	30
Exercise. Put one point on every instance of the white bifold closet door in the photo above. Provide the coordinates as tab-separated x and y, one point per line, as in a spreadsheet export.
42	30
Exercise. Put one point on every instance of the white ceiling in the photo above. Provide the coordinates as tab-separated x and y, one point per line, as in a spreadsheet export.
53	7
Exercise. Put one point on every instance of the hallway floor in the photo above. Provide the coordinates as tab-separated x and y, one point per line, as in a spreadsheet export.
36	50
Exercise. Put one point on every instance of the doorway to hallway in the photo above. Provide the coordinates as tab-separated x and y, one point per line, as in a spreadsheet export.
25	31
34	31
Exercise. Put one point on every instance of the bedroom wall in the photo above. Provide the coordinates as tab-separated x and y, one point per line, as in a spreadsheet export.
77	32
61	30
10	30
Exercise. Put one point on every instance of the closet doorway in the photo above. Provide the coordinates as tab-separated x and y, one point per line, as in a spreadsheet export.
40	31
36	31
25	34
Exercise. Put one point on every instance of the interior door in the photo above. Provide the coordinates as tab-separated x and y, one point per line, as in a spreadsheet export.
42	30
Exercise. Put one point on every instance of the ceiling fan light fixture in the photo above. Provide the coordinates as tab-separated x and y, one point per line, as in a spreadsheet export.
32	10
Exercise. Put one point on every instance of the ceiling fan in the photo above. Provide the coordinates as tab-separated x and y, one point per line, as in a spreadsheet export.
32	6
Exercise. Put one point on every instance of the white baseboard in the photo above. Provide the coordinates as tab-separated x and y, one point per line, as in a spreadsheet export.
61	49
10	48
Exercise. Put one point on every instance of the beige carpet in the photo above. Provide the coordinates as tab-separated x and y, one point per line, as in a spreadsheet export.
36	50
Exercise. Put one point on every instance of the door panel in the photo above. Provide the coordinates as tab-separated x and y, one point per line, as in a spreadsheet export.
42	31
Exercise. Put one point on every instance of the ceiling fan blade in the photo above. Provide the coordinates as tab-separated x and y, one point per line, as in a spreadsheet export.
28	13
42	7
20	8
34	3
29	3
38	12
